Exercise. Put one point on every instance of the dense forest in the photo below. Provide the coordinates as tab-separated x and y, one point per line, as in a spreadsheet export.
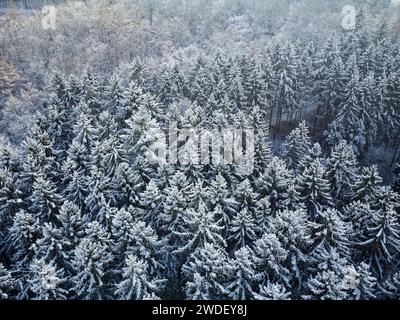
84	214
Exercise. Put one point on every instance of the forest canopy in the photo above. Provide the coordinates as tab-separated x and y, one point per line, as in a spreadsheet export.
84	214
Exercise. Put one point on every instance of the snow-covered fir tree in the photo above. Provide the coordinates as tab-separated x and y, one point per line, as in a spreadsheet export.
136	282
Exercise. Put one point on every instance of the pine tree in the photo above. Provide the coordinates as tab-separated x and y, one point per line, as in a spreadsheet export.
151	203
270	258
200	227
108	150
140	132
385	199
121	235
274	184
198	288
357	214
314	189
83	131
222	202
397	178
115	99
325	285
21	238
124	187
132	99
198	194
59	127
236	90
200	86
314	154
73	92
262	153
341	171
105	213
272	291
78	161
91	90
367	183
46	282
6	283
255	88
144	243
10	199
391	287
44	199
243	275
136	283
330	88
246	198
293	232
50	246
366	284
286	97
171	219
385	106
39	159
244	229
99	186
347	124
330	277
77	190
298	144
171	85
151	105
71	226
91	261
333	232
380	241
206	273
368	113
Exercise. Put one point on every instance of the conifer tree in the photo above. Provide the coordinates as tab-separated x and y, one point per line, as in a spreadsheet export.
200	228
380	241
274	183
236	90
272	291
243	275
314	189
244	229
367	183
391	287
286	97
270	258
333	232
222	202
124	187
136	283
151	203
10	199
200	85
328	280
293	231
366	284
44	200
207	273
341	171
91	261
347	124
21	238
46	282
298	144
6	283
